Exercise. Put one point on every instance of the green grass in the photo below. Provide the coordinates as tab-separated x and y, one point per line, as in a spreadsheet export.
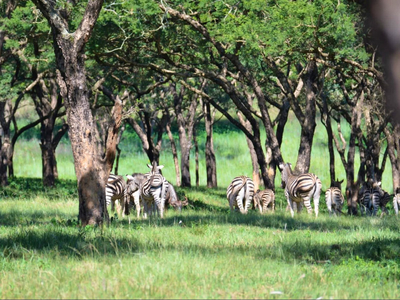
213	253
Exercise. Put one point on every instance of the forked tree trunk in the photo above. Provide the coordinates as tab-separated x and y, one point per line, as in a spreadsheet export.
90	167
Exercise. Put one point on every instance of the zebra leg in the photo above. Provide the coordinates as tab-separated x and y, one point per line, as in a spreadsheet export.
395	206
290	204
136	198
329	204
316	196
307	204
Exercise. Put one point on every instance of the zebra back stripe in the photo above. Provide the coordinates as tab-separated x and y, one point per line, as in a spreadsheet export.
241	189
265	198
334	200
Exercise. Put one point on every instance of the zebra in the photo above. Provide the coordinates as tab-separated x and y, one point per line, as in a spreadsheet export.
240	193
300	188
116	189
153	190
374	197
265	199
171	198
134	183
334	198
396	201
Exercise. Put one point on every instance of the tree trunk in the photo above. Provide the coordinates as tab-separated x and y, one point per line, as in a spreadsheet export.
308	125
211	163
174	151
185	130
196	158
5	141
90	167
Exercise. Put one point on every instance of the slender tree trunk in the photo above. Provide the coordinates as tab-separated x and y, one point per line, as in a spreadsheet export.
5	141
308	125
328	125
174	151
196	158
253	155
211	163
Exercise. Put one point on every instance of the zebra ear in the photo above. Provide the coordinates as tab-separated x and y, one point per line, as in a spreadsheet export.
160	167
281	166
149	165
129	177
379	183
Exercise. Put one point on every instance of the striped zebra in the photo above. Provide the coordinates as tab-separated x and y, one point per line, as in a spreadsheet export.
265	199
153	190
374	197
240	194
396	201
334	198
116	189
300	188
134	183
171	197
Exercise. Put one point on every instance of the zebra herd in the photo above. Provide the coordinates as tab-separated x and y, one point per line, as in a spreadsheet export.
150	190
299	189
154	193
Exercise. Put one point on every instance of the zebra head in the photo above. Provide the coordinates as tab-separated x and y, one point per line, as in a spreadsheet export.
154	169
133	182
337	183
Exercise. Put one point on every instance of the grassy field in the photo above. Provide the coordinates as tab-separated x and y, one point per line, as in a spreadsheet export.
203	252
212	253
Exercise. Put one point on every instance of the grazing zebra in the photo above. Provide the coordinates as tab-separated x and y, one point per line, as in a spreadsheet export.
265	199
396	201
134	183
240	194
116	189
374	197
153	190
171	198
334	198
300	188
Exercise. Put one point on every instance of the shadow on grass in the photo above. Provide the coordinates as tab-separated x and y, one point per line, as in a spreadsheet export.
83	243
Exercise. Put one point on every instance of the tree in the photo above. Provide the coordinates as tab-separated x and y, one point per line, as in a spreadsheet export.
92	164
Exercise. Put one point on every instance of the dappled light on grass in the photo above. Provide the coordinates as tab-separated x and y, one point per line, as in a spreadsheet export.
205	251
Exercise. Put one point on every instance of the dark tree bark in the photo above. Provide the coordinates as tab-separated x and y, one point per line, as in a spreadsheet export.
48	103
185	129
150	124
308	123
173	148
211	163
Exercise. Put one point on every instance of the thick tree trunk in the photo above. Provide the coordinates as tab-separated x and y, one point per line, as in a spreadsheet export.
211	163
90	167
